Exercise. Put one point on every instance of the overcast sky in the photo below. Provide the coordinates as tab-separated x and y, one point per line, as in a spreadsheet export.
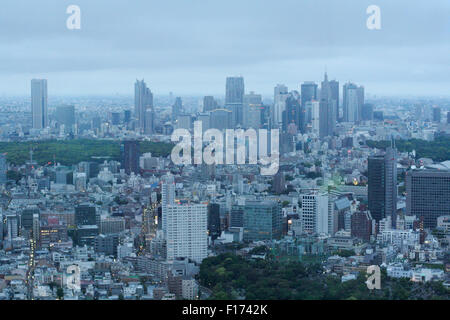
191	46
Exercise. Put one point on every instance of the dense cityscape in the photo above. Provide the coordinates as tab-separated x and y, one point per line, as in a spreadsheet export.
220	159
88	184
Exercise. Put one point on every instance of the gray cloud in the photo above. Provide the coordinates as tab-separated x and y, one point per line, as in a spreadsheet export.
191	46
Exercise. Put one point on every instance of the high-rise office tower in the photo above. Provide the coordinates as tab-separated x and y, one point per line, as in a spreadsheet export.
293	112
27	217
126	116
367	112
115	118
314	212
85	214
12	226
209	103
149	122
350	102
167	197
361	225
279	104
143	100
266	116
234	98
184	121
353	101
448	117
428	193
214	220
437	114
237	216
177	108
221	119
361	100
39	111
327	109
129	151
36	229
308	92
279	183
262	220
204	118
187	231
3	169
252	111
65	115
324	117
334	91
315	116
382	191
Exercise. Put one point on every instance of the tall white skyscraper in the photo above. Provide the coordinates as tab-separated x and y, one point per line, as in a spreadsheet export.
315	116
234	98
12	225
353	102
39	112
186	231
352	105
167	197
314	213
279	104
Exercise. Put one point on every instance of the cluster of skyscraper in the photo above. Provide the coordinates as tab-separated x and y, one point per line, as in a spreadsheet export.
318	108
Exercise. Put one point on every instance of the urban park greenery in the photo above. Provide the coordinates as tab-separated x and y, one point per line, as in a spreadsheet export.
69	152
230	276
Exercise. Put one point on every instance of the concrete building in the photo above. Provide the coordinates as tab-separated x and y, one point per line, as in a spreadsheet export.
39	109
314	212
262	220
428	194
186	231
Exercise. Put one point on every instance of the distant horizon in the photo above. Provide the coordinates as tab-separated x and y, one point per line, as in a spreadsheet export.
368	95
190	47
130	92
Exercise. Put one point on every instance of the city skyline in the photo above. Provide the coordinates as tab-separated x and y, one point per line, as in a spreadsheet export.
224	150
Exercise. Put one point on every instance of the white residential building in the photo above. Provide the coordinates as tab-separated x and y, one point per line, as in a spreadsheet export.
186	231
399	237
168	197
189	289
397	270
314	212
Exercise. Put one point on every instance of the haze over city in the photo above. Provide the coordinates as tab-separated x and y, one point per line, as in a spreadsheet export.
241	151
189	47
